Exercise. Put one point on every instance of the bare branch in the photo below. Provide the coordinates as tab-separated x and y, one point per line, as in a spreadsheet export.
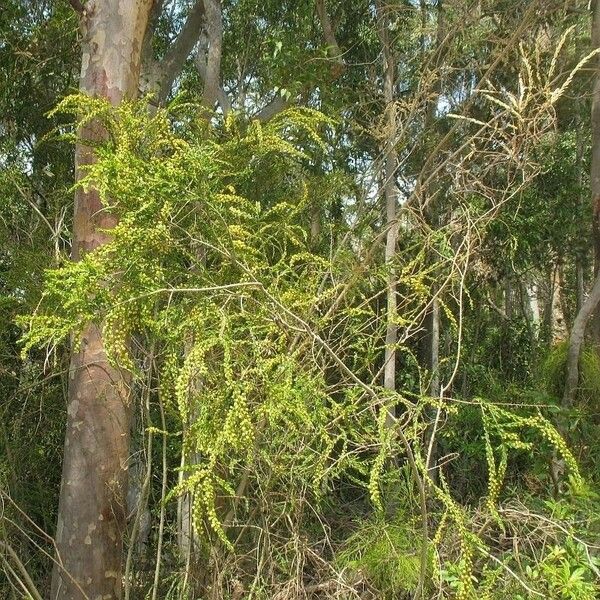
183	45
273	108
160	75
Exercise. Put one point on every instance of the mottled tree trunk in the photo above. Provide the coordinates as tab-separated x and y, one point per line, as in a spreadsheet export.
92	506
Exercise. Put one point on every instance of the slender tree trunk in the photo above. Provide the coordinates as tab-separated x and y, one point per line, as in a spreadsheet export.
390	190
92	506
530	309
558	330
581	200
534	304
435	219
562	298
576	342
595	162
435	388
315	225
508	298
589	309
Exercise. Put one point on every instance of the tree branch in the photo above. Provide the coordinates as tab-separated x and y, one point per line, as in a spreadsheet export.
214	31
273	108
333	48
208	58
160	74
221	96
184	43
575	343
278	104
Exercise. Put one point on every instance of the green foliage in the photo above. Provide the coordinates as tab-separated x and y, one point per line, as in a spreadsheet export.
266	341
553	375
220	277
566	573
386	554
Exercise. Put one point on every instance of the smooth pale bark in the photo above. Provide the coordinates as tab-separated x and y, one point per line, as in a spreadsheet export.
576	342
595	160
534	304
558	329
92	506
390	191
157	76
531	309
214	32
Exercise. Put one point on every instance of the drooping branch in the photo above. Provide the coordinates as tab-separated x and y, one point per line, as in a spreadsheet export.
429	170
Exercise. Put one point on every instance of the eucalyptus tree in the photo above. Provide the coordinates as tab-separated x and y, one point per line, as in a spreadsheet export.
91	514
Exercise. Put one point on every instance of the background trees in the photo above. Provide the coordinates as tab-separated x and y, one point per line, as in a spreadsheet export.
305	197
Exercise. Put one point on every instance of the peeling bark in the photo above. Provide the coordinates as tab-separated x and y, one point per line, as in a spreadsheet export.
92	505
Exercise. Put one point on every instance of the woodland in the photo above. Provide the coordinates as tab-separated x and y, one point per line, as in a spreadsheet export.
300	299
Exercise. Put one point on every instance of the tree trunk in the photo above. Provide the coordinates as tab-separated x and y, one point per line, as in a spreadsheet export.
576	342
390	190
433	216
530	309
581	200
589	309
595	162
92	506
558	329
